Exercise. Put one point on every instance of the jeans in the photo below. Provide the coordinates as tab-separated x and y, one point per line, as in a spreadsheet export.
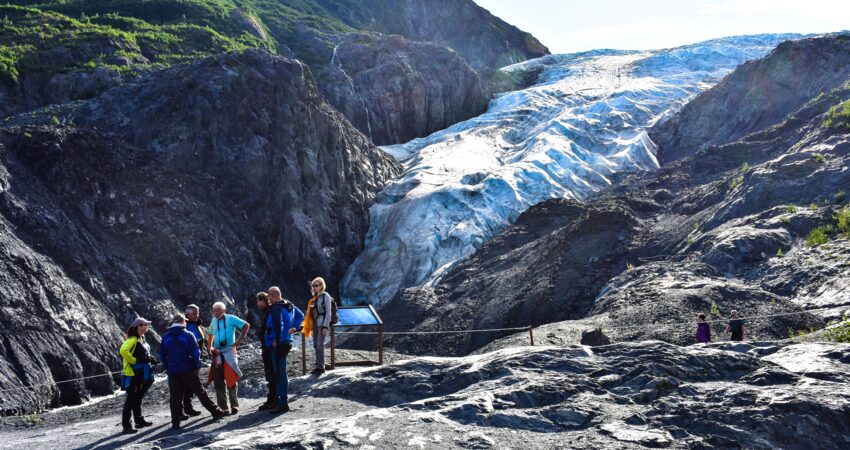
280	353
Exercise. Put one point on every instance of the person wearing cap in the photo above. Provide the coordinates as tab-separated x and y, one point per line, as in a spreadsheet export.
138	374
181	357
194	325
224	370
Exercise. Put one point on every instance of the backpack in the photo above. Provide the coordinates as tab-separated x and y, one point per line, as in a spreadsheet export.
334	309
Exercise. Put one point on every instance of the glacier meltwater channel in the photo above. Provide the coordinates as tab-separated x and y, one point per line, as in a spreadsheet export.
584	120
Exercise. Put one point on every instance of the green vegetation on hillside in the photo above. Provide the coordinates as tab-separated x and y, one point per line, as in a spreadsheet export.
838	117
43	40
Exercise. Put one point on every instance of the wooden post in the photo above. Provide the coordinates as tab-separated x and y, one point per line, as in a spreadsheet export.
303	354
380	344
531	335
333	347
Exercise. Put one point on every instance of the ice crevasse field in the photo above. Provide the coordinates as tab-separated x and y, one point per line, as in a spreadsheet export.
584	120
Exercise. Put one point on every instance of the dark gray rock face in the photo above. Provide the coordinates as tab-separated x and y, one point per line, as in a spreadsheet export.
758	94
394	90
205	182
485	41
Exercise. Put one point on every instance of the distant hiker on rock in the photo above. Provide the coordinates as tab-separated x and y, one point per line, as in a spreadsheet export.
182	359
703	329
194	325
138	374
267	352
320	312
736	327
283	320
224	370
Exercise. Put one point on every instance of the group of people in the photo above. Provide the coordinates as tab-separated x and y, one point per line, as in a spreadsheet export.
186	339
735	328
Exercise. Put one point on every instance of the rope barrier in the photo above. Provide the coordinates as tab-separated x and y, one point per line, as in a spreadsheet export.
60	382
658	325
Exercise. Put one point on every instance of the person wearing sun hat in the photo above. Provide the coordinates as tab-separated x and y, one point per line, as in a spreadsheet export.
138	374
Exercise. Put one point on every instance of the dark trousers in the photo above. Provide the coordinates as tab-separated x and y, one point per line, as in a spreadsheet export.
184	383
133	402
282	350
187	396
271	374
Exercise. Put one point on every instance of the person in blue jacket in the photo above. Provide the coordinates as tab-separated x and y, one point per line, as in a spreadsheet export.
284	319
181	358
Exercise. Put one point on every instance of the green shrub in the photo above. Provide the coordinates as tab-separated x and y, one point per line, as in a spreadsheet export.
842	220
791	209
735	182
54	120
820	235
715	311
746	167
779	253
839	332
840	196
838	117
819	157
813	207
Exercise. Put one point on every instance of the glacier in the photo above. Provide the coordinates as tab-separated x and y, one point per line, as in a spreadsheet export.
584	120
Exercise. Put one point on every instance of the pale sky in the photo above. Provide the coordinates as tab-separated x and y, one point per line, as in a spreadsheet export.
567	26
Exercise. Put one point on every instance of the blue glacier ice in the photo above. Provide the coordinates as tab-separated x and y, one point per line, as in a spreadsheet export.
564	137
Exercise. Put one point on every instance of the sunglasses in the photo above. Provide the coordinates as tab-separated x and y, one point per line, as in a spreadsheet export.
316	285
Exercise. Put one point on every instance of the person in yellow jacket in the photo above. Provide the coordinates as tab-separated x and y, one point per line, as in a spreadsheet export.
138	374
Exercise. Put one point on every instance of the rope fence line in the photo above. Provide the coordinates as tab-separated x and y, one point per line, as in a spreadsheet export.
625	327
487	330
63	381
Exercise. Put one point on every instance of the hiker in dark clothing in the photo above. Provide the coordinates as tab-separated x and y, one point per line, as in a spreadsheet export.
182	359
194	325
703	329
268	356
138	374
736	327
284	319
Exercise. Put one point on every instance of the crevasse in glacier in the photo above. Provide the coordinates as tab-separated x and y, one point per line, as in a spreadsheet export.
583	121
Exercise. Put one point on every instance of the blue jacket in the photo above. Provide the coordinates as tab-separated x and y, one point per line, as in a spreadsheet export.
179	351
195	328
283	315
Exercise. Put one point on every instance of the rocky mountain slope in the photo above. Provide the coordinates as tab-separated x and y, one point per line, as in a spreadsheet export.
761	93
759	225
634	395
566	136
56	51
200	183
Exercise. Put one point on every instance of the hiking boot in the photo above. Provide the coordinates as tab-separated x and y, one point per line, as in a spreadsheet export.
192	412
181	418
175	425
234	411
141	423
129	430
317	371
280	409
266	406
218	414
